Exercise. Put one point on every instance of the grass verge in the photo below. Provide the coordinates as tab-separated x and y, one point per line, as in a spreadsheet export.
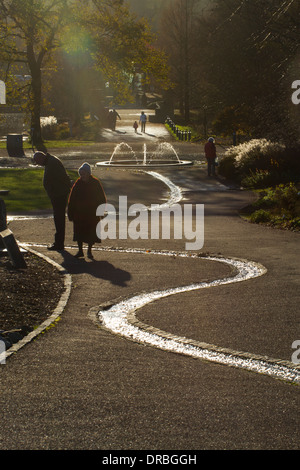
54	144
26	191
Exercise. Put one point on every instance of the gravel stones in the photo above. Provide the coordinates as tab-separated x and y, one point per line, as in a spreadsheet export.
27	296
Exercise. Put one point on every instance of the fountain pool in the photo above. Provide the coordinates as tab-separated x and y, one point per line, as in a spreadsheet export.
124	156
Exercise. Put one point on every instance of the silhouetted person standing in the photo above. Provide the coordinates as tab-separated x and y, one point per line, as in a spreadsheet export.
113	119
57	184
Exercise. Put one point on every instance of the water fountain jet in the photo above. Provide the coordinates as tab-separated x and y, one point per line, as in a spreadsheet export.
124	156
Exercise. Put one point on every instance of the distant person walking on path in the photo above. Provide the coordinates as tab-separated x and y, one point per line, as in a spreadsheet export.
113	115
86	195
57	184
211	155
143	119
135	126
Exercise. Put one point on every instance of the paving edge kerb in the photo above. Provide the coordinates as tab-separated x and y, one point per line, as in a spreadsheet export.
56	312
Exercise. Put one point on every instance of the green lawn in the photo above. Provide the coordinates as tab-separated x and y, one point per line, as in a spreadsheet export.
26	189
54	144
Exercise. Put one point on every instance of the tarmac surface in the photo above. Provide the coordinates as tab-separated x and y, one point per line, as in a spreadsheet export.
81	386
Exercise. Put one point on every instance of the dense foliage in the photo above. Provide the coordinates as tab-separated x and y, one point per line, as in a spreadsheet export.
79	47
234	63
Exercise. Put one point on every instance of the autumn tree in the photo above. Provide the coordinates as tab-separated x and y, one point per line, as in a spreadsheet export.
122	45
29	29
104	33
250	48
236	59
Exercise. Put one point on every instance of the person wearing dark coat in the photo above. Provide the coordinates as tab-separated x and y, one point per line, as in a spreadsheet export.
86	195
57	184
113	115
211	155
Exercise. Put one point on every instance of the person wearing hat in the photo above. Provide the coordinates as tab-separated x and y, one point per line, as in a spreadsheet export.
211	155
57	184
86	195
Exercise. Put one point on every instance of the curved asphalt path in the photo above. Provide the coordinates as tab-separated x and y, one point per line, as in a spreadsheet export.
80	387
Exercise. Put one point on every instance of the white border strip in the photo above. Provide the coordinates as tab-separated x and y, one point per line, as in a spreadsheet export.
176	193
121	319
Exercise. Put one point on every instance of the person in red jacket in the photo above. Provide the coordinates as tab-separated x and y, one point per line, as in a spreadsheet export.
211	155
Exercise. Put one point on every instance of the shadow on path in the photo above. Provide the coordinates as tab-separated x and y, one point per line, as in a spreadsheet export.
98	269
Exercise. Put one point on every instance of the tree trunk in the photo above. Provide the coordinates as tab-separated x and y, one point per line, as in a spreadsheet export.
187	94
36	90
186	65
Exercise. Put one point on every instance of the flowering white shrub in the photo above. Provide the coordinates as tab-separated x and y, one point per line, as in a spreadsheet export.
49	127
48	121
256	153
